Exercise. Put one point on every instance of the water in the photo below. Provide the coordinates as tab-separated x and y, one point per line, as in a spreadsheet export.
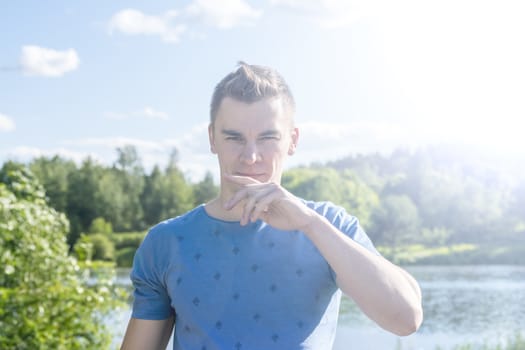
462	304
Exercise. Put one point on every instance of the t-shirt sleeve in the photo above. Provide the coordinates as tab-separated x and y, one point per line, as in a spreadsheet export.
350	226
150	297
346	223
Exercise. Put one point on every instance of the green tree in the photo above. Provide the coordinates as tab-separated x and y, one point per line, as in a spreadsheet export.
205	190
96	246
395	222
99	225
317	184
53	174
45	303
166	194
112	198
130	176
151	196
326	184
83	201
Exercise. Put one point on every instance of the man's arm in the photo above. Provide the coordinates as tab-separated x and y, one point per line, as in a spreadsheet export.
147	334
385	292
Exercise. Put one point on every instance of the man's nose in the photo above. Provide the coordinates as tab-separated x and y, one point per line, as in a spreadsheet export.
250	153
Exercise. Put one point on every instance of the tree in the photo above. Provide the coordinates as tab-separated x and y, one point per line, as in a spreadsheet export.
395	222
83	199
166	194
205	190
96	246
130	176
99	225
326	184
44	301
151	197
53	174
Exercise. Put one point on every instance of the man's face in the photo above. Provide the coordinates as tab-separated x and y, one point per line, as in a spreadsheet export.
253	139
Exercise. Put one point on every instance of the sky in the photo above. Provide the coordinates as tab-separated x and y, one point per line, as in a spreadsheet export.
80	79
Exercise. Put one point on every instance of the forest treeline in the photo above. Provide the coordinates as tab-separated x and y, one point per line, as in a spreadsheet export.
432	197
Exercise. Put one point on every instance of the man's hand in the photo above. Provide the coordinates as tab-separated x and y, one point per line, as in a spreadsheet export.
269	202
385	292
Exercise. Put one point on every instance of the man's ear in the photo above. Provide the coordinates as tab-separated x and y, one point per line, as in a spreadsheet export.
211	137
293	144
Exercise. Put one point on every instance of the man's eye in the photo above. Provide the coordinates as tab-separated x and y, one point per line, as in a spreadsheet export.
233	138
269	138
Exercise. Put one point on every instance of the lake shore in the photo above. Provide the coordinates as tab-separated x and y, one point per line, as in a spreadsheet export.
457	254
466	307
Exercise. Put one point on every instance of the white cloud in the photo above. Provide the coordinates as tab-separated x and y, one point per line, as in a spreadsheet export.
26	153
134	22
114	142
195	157
325	141
40	61
151	113
335	13
224	14
6	123
146	112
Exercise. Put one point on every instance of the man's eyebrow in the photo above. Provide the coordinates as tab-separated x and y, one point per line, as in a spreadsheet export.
230	132
270	133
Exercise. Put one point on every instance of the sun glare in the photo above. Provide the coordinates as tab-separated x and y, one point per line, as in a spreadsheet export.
459	65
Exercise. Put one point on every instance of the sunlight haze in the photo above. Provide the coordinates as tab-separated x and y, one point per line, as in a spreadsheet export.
81	79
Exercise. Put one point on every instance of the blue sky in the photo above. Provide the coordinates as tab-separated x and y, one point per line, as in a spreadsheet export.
82	78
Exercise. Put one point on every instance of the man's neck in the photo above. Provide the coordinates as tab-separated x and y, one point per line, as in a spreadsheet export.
215	209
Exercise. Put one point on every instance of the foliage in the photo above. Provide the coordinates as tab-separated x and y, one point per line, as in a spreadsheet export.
125	257
102	248
464	253
205	190
345	189
460	196
53	173
83	250
433	197
45	300
84	200
127	239
99	225
395	221
166	194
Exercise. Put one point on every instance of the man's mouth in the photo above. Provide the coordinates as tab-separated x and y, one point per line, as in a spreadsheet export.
253	175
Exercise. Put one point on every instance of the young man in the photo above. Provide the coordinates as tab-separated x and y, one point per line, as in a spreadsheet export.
257	267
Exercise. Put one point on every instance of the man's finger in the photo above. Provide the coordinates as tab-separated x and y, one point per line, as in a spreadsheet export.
241	180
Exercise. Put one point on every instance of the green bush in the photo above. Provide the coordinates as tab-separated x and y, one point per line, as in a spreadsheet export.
99	225
127	239
83	250
45	299
125	257
103	247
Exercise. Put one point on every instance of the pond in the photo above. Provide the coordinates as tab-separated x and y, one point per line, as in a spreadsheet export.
462	304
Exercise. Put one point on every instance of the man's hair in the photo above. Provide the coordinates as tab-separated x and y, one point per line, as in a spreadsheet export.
251	83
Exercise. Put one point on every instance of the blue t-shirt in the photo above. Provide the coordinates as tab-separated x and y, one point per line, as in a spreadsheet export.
240	287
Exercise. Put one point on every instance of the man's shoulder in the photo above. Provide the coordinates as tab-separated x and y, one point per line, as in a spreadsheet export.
176	224
324	208
334	213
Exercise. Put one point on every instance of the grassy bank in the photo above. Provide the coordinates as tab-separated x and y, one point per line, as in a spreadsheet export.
517	342
120	248
457	254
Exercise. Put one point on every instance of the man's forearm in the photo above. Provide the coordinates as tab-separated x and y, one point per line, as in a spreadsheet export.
147	334
384	292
